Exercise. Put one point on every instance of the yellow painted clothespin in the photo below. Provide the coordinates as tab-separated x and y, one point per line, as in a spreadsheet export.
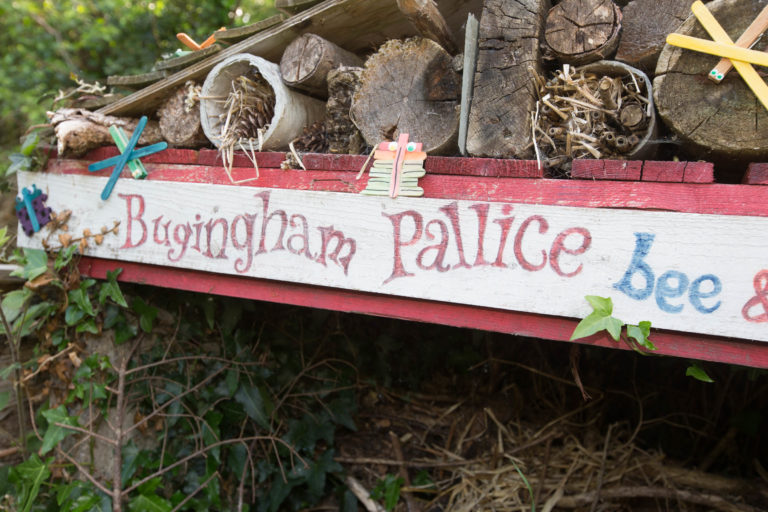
746	40
192	45
723	47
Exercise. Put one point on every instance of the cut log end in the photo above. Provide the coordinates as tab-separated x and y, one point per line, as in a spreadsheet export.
717	121
583	31
308	59
409	87
180	118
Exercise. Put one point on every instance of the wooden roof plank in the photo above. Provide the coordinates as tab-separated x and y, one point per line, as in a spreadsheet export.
356	25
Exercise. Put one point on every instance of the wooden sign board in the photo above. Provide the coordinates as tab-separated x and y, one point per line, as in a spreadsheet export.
686	272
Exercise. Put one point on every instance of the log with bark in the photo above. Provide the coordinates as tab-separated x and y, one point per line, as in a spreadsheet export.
343	136
409	87
646	24
583	31
717	122
308	59
428	20
180	118
504	92
79	131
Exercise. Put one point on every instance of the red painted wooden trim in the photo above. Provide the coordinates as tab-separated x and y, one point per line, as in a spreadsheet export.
757	174
672	172
606	169
719	199
706	348
699	172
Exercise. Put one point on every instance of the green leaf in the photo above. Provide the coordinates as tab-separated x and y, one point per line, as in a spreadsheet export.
698	373
601	305
5	372
88	326
596	322
64	256
73	314
13	303
80	297
388	489
30	143
147	314
640	333
5	397
30	474
255	402
111	290
35	264
26	324
149	503
4	236
55	433
232	379
19	162
124	332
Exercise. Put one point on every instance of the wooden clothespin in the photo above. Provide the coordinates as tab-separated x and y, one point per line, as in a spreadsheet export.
723	46
128	154
192	45
31	210
747	39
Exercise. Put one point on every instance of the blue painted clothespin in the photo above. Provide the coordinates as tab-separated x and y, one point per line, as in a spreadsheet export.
129	154
31	210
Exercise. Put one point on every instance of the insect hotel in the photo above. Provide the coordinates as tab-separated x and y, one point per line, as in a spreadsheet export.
479	164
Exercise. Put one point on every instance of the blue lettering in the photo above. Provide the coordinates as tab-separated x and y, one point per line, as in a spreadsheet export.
695	295
643	242
664	290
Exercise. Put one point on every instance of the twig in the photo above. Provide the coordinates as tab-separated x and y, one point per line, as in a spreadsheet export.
192	494
363	495
398	449
601	475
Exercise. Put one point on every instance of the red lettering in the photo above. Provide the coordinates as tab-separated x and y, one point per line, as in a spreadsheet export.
558	246
182	240
129	244
327	234
303	236
243	265
441	248
452	211
481	210
265	218
209	227
506	225
543	227
398	270
155	236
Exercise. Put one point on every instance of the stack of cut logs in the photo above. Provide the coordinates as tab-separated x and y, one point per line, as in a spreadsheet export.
526	92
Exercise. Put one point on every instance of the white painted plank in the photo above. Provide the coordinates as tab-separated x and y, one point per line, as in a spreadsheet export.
690	255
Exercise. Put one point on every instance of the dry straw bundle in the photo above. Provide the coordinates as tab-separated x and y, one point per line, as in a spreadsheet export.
247	113
591	113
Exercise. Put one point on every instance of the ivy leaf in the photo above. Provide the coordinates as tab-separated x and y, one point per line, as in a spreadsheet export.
640	333
13	303
149	503
55	433
30	143
256	404
596	322
4	236
5	397
88	326
73	314
35	264
232	379
111	290
147	314
80	297
30	474
64	256
19	162
698	373
601	305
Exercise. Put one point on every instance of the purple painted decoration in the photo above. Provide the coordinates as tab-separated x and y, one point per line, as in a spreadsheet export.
31	210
